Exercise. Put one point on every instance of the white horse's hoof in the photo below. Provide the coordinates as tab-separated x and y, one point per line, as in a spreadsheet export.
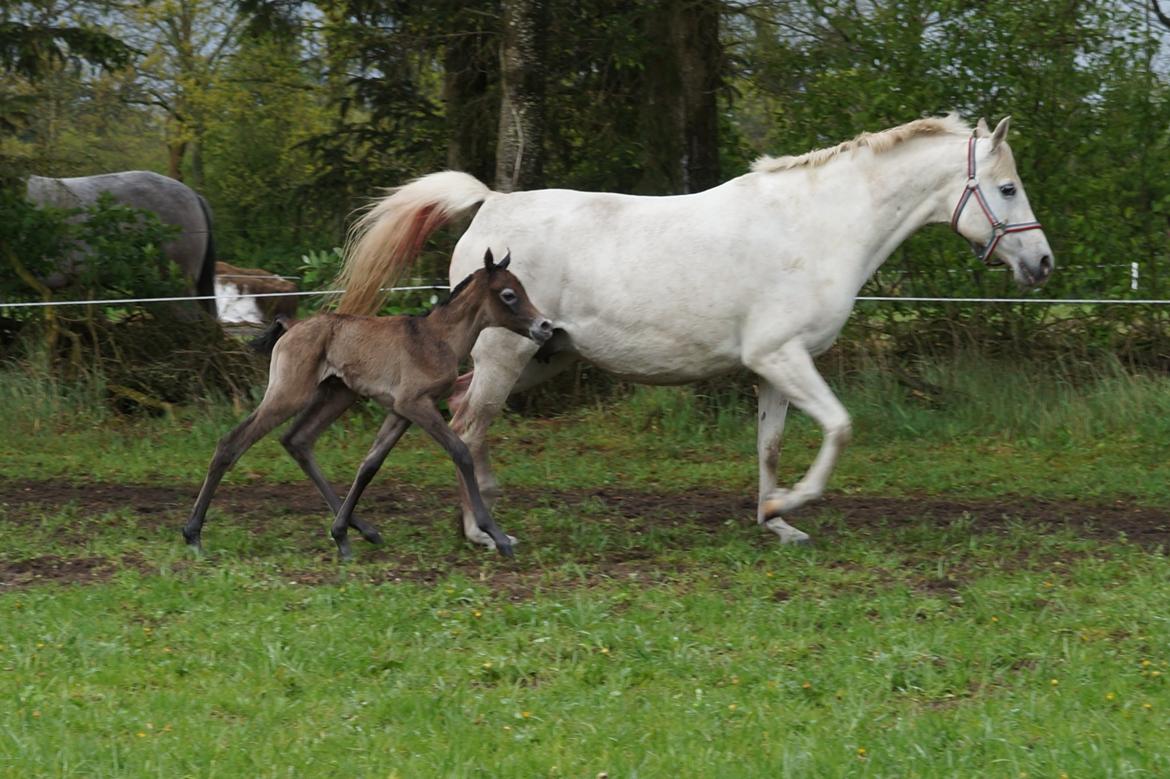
483	539
788	534
781	501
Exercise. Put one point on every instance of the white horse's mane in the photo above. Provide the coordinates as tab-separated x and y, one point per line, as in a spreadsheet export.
878	142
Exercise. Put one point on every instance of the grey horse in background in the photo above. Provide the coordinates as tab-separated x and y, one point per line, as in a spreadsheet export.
173	201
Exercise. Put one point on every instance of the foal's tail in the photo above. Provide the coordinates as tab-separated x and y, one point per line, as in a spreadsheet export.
266	341
388	237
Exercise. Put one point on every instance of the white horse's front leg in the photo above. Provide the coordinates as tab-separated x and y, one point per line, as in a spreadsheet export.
498	357
773	408
791	371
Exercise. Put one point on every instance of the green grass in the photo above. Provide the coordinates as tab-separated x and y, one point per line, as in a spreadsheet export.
643	641
937	651
990	431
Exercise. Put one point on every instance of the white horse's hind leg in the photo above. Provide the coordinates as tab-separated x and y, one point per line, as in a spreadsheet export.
500	359
791	371
773	408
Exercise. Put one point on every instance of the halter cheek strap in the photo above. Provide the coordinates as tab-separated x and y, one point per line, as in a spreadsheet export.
998	228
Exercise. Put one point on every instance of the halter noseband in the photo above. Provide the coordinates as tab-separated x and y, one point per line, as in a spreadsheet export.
998	229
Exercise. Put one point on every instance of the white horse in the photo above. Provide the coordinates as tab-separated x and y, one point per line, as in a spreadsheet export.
761	272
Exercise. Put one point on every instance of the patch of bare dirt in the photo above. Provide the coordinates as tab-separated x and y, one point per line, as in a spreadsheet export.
706	511
57	569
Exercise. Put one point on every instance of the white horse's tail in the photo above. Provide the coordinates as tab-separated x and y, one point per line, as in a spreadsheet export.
388	237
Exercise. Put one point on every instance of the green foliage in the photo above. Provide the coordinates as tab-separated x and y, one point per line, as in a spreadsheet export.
141	355
256	164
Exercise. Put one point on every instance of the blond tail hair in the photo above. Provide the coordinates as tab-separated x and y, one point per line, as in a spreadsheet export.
386	239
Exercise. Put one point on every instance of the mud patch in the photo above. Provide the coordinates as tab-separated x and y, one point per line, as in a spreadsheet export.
705	512
55	569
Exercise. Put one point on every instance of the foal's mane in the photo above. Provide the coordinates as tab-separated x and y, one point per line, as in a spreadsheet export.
451	295
879	142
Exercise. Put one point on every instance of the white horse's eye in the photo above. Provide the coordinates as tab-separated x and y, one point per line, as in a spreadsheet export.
508	296
1008	190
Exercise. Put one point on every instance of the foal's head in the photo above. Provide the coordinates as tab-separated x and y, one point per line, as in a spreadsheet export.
504	301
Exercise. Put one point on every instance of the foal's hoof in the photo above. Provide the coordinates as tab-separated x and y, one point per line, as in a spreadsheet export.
193	543
505	549
373	536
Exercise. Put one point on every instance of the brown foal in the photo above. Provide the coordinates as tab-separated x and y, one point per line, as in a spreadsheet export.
323	365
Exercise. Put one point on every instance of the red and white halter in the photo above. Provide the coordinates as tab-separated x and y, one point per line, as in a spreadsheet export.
998	229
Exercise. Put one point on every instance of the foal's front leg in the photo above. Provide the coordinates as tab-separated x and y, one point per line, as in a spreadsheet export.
423	413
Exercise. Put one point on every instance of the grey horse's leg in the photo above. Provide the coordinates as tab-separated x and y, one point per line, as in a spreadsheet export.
773	409
388	434
333	399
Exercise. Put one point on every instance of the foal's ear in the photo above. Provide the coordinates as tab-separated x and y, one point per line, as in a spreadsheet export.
488	262
1000	133
504	262
981	129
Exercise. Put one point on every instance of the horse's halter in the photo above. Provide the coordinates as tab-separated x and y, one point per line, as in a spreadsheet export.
998	228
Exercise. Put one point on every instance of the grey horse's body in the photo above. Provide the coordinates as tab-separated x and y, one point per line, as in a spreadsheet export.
173	201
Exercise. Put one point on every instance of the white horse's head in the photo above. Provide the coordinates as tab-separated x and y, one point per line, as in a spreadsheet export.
993	213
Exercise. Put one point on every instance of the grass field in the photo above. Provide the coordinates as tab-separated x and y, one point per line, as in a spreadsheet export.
987	595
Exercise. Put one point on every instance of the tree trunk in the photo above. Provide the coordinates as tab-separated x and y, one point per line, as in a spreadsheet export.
680	118
468	67
176	150
520	145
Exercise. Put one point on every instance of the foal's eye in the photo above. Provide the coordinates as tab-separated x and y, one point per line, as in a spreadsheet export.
508	296
1008	190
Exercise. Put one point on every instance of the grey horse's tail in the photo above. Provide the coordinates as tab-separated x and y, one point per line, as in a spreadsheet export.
205	282
266	341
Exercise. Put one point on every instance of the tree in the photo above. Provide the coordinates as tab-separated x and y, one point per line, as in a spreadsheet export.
42	42
683	73
520	146
186	42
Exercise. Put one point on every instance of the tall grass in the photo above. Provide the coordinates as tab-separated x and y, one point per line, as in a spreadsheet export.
957	398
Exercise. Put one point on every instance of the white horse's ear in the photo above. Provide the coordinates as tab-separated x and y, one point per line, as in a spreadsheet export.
981	129
1000	133
488	261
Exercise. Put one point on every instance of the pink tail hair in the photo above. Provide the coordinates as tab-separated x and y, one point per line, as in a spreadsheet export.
387	238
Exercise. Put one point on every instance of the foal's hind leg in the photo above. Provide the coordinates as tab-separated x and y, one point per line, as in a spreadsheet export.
288	391
229	449
333	399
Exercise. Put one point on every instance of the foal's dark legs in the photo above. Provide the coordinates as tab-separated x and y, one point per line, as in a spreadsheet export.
424	414
392	429
229	449
333	399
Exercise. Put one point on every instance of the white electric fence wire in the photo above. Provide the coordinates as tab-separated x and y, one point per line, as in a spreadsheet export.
866	298
121	301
